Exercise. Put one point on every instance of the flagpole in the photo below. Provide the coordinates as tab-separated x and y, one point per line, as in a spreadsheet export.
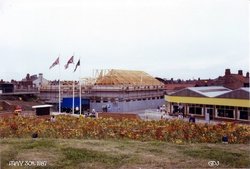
80	89
73	99
59	90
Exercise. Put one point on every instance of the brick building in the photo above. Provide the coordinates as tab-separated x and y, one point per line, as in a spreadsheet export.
228	80
233	81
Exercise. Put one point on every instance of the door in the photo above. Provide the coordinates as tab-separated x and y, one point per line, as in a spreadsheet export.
209	113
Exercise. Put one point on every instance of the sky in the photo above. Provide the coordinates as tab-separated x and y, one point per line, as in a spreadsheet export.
183	39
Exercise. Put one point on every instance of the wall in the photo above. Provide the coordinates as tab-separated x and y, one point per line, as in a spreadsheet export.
128	106
209	101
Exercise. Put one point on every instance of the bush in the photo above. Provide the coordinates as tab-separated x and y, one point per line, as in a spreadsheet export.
176	131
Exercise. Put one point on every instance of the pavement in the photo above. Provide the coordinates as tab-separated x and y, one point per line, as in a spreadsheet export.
152	114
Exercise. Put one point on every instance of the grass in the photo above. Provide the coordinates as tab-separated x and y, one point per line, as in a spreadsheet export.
84	155
105	154
230	159
38	144
6	156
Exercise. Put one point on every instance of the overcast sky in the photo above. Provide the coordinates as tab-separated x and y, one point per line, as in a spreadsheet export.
166	38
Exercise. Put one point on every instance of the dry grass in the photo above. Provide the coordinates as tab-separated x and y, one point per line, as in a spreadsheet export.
123	154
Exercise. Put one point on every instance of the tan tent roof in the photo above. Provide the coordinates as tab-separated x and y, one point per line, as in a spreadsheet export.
127	77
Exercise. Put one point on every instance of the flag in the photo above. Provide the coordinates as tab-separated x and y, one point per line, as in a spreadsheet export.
71	60
78	64
55	63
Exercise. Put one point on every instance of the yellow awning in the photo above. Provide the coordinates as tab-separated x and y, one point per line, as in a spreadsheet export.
209	101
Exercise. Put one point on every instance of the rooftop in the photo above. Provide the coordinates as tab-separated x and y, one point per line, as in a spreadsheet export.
41	106
127	77
247	89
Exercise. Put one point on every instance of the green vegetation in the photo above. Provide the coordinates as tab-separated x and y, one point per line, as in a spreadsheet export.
105	154
83	155
38	144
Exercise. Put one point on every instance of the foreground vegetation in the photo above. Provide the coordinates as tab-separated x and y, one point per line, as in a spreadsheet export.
123	154
70	142
175	131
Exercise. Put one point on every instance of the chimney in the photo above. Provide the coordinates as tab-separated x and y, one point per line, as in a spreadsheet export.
240	72
40	75
227	72
28	76
247	75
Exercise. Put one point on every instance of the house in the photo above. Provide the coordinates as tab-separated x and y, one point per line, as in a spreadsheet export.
40	81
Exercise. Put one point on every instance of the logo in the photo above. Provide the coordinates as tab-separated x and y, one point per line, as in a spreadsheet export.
213	163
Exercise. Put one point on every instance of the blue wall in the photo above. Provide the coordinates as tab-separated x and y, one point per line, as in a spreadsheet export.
67	102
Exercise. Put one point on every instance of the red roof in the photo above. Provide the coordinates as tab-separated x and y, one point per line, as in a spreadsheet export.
178	86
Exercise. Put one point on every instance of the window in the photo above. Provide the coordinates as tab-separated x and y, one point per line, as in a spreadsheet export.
195	109
175	108
209	106
244	113
225	111
178	108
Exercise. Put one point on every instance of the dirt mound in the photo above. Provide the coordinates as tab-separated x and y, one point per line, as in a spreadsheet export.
10	105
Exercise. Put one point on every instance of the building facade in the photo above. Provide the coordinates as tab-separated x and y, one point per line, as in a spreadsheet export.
229	80
111	91
213	103
125	91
